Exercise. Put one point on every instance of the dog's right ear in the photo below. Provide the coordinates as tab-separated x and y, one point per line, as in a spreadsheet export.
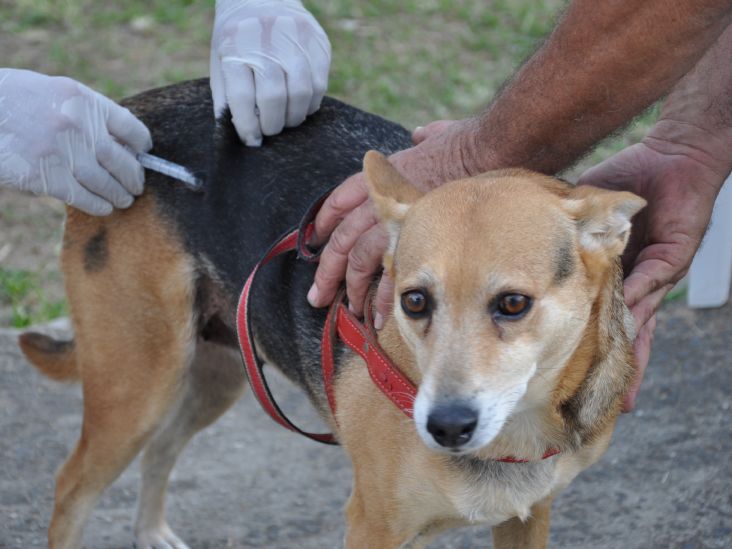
392	195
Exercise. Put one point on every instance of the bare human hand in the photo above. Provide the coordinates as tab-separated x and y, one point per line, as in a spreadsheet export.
355	242
680	184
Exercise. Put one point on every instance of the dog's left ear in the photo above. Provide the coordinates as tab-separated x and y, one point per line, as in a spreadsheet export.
392	195
603	218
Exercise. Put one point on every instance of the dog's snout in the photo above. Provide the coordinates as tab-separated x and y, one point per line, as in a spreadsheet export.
453	425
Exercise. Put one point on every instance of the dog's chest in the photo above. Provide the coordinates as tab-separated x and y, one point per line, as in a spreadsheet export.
489	492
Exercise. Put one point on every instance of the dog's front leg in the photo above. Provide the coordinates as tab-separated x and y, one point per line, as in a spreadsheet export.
369	525
530	534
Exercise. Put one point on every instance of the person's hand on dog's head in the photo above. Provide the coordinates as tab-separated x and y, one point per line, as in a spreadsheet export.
354	242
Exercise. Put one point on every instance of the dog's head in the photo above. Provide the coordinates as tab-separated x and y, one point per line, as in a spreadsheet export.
495	280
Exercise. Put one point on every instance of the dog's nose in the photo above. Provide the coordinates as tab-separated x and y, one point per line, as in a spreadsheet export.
452	426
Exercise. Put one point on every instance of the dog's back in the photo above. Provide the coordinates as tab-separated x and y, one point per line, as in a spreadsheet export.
250	197
247	199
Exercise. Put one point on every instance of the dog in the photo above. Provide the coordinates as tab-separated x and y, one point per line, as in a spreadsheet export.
509	318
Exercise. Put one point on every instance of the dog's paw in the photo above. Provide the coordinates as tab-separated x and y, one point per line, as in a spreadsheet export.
159	538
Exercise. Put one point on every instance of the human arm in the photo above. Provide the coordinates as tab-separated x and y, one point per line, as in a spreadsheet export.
60	138
679	168
602	65
269	65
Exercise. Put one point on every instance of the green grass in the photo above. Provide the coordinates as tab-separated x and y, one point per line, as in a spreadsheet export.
24	293
412	61
677	294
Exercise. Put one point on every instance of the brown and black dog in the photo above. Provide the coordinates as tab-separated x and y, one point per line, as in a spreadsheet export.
509	317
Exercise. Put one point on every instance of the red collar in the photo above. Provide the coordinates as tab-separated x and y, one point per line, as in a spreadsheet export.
361	338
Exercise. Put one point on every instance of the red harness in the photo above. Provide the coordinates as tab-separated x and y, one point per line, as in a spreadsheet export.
361	338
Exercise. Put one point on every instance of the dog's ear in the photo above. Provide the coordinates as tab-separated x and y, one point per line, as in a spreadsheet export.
603	218
392	195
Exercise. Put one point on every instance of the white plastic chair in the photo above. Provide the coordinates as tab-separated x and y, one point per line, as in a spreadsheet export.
711	271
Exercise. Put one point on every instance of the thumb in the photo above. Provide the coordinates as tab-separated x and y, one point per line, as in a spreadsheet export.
421	133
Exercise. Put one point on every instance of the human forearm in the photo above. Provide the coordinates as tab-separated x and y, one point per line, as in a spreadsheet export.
696	118
603	64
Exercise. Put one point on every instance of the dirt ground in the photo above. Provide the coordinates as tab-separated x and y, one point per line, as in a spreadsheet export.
665	482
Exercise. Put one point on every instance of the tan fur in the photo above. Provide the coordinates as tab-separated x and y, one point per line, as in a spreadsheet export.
518	534
148	382
452	237
135	351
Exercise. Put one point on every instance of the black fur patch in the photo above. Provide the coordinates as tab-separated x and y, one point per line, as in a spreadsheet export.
563	262
96	252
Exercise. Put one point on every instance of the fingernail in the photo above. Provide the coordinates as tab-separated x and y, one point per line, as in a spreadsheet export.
313	295
378	321
418	129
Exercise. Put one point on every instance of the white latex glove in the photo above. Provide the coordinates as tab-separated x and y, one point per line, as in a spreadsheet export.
60	138
269	63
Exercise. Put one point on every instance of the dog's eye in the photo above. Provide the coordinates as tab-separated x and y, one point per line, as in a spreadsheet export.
513	305
415	303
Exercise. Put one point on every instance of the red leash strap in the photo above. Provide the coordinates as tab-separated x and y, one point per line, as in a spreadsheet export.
326	351
393	383
361	339
253	365
510	459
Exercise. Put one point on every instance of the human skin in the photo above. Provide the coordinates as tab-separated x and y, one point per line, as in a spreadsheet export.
602	65
679	168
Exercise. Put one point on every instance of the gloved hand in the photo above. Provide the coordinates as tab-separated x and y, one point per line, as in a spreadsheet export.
269	64
60	138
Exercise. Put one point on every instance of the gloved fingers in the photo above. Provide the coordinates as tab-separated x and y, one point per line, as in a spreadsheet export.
294	62
299	93
67	188
239	84
126	127
122	166
319	56
271	94
216	81
97	180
